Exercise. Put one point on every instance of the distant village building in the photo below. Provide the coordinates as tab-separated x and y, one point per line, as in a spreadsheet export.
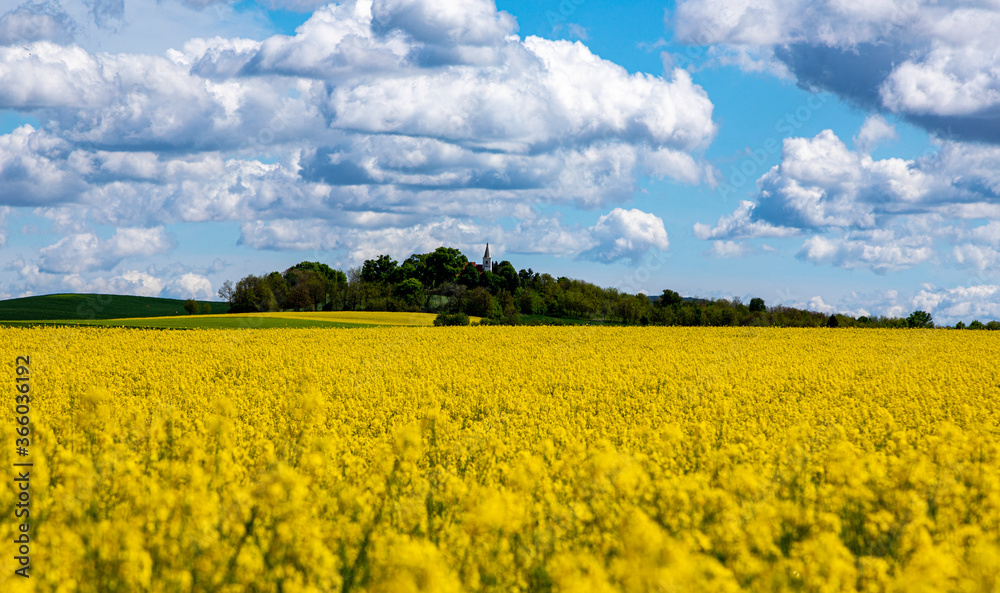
487	261
486	266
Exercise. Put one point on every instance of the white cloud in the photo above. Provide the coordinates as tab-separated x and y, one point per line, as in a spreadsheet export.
5	212
549	236
818	304
820	183
37	168
882	250
728	249
934	63
872	132
946	305
373	113
740	224
191	286
961	303
883	214
626	234
82	252
72	254
674	164
130	282
24	25
979	257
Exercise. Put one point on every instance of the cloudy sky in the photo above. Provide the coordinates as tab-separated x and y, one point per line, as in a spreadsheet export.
832	154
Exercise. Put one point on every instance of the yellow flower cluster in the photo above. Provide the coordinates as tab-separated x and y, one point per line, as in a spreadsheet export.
508	459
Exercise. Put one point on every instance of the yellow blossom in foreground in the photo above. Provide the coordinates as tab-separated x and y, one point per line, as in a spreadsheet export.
506	459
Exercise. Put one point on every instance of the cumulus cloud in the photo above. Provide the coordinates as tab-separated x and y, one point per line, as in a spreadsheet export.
961	303
190	286
947	305
379	124
728	249
353	109
872	132
619	235
37	169
35	22
933	63
884	214
820	183
82	252
741	224
626	235
882	251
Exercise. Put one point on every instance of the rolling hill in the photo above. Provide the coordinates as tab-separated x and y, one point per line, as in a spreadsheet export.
94	306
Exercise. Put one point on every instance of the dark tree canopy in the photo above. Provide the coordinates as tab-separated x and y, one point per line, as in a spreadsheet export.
444	280
322	269
669	298
381	270
920	319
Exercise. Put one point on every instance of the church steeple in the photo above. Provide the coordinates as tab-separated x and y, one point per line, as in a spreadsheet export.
487	260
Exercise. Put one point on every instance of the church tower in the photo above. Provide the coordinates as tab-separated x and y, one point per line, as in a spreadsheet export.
487	261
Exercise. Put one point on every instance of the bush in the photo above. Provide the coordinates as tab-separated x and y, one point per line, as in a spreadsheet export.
443	319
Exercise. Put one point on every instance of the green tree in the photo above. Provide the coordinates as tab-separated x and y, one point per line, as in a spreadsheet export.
757	305
380	270
279	287
330	274
482	303
530	302
508	307
191	306
411	292
469	276
206	308
444	265
960	325
508	277
976	324
490	282
920	319
669	298
833	321
251	295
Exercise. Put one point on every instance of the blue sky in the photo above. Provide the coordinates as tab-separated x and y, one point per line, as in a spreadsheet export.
839	157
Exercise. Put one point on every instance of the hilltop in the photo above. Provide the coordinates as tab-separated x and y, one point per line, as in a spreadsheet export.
95	306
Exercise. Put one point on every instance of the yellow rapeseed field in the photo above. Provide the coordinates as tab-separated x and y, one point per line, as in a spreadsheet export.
506	459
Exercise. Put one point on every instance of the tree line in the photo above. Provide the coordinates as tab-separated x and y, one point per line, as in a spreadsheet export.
445	282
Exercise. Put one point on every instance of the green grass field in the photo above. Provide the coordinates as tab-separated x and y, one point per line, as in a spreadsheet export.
94	307
190	322
156	313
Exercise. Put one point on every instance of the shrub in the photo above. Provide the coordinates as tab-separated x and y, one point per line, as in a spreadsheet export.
451	319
